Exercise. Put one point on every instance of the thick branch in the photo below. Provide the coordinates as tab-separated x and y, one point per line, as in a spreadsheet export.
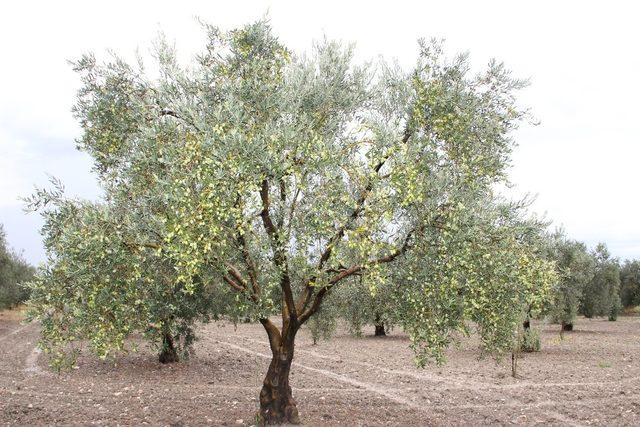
233	284
275	339
283	199
293	208
266	217
251	267
233	271
279	257
246	255
346	272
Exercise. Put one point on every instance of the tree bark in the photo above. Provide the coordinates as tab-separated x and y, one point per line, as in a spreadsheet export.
168	353
379	324
277	405
380	332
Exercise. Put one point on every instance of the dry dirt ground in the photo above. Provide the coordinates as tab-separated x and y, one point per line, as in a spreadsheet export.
592	377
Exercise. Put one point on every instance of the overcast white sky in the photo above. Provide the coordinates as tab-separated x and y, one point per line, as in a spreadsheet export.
582	58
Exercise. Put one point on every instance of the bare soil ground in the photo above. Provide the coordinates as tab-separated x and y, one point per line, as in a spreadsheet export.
592	377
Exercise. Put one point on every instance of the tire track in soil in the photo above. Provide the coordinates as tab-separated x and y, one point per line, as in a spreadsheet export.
14	332
457	384
540	404
342	378
31	363
466	384
104	395
429	376
384	392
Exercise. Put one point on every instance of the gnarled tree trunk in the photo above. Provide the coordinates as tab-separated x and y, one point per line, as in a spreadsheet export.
168	352
277	405
379	324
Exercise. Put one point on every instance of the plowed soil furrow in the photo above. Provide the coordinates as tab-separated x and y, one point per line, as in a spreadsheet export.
592	377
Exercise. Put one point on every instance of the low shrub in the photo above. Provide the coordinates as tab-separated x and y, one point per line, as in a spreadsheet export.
530	341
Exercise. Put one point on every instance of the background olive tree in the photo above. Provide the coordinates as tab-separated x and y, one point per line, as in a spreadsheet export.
601	296
630	283
363	304
276	179
98	285
14	273
576	269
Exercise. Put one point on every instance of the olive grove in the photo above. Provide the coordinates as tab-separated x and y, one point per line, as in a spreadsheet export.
257	181
576	268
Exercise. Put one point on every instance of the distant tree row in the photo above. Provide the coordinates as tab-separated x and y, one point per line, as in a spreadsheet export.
589	282
14	270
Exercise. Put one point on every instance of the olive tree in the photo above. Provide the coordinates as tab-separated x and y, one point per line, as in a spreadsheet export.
99	286
630	283
576	268
363	303
14	272
281	177
601	296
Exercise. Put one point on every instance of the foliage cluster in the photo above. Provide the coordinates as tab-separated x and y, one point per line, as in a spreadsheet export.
530	341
